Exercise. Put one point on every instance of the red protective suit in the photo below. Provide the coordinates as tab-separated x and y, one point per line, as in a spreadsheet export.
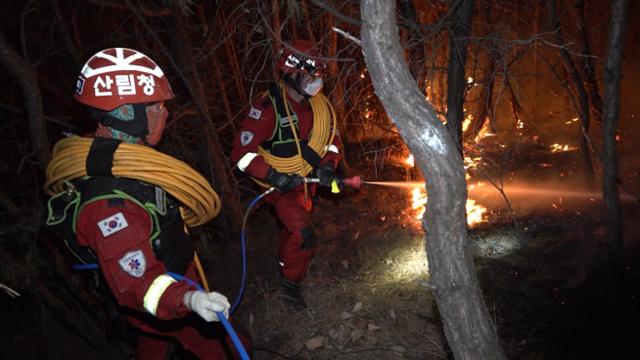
118	232
297	241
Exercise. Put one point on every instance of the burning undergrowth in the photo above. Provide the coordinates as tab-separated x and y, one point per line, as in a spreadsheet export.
368	285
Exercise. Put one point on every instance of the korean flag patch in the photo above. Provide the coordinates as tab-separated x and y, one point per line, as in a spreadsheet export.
133	263
255	113
246	137
112	224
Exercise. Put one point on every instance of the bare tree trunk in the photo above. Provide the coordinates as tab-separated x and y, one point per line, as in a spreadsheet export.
467	323
275	9
486	95
27	77
223	92
516	107
232	57
486	100
612	76
456	80
68	43
305	10
337	93
587	65
578	85
220	170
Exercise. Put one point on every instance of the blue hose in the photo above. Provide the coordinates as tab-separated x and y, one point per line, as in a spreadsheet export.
243	242
232	333
90	266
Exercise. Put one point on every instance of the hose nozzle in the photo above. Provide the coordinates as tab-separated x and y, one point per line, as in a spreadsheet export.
354	181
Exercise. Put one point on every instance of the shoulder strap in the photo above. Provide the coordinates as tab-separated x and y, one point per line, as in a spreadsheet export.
100	157
308	154
275	93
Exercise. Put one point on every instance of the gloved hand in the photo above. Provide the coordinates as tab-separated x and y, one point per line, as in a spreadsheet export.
326	174
206	304
282	182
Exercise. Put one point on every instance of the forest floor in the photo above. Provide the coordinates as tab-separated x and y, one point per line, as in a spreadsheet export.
545	284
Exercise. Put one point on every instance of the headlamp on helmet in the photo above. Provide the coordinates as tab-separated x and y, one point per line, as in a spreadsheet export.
301	57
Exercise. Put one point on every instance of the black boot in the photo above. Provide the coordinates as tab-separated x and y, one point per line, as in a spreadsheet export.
291	294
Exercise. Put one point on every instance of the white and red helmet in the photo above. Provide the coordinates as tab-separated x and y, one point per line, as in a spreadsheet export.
117	76
302	57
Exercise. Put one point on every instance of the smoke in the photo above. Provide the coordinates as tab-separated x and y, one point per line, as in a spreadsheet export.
539	195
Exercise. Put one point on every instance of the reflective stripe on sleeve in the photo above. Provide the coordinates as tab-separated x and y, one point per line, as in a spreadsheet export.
155	291
332	148
246	160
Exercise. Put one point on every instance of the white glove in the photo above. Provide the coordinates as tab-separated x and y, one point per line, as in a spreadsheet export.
206	304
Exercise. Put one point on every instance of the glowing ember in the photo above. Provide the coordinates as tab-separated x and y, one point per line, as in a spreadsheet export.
410	161
471	163
466	122
560	148
475	212
484	132
418	201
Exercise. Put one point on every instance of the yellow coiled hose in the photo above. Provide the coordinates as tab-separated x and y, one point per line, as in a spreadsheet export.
201	203
322	134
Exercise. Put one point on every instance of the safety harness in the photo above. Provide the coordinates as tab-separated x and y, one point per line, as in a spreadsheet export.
171	245
282	141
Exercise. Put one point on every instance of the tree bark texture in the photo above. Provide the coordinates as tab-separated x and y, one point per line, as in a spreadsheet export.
27	77
581	92
456	80
611	111
467	323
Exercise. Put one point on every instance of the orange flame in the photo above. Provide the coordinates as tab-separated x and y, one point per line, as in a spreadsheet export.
471	163
561	148
418	201
410	161
467	122
475	212
484	132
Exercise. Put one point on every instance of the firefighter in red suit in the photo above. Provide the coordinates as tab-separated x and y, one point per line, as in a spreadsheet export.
268	126
133	229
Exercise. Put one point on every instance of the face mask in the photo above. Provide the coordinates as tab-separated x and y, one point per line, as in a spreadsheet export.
312	87
156	119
